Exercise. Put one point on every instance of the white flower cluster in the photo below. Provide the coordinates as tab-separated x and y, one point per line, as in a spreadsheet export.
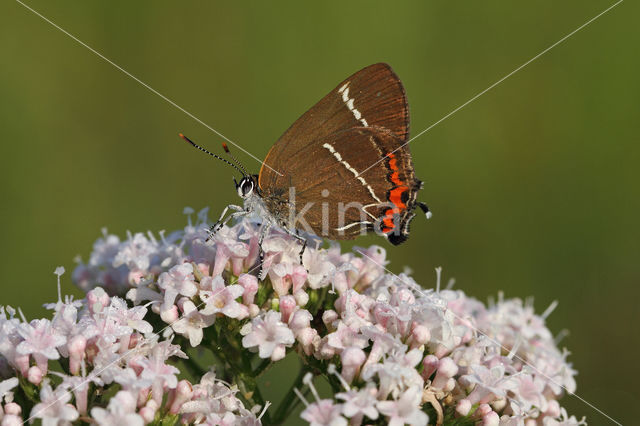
102	344
392	352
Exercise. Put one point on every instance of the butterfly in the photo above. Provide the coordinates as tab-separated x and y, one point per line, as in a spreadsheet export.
341	170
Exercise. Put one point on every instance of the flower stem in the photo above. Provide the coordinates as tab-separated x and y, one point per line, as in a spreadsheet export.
284	408
263	367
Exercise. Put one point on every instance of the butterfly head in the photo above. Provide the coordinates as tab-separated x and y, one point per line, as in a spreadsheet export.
247	186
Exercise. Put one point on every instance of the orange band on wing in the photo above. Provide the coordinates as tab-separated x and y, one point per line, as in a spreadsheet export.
395	195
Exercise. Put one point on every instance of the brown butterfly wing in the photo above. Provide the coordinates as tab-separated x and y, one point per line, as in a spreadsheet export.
332	182
372	97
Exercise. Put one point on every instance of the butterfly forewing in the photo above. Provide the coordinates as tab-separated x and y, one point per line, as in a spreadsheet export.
372	97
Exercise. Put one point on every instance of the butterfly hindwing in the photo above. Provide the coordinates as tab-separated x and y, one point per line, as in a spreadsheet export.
339	197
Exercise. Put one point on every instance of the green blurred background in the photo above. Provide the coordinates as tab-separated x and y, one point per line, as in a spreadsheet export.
534	186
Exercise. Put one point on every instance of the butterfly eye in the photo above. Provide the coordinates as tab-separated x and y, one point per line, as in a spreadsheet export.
245	188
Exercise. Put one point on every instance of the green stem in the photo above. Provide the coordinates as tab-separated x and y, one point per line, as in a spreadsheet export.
290	398
263	367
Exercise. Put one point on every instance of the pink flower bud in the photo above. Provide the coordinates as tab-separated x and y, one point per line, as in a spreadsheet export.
147	414
22	362
76	347
491	419
236	265
450	385
287	305
384	314
280	278
169	315
430	364
419	335
352	359
329	316
254	310
81	393
182	394
553	409
250	285
482	410
309	339
12	408
97	299
143	396
447	368
302	297
326	351
34	375
278	353
300	319
203	268
152	404
12	420
463	407
499	404
441	350
298	278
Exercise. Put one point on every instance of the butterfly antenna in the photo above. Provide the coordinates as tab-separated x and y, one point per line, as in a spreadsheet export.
212	154
226	149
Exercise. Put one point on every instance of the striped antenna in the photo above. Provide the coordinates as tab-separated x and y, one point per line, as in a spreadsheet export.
213	155
226	149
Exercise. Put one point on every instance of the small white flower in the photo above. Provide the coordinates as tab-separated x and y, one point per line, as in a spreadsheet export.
489	381
320	268
324	413
154	367
53	408
219	298
269	334
405	410
178	280
120	411
229	247
358	403
104	250
192	322
129	317
40	339
136	253
397	373
129	380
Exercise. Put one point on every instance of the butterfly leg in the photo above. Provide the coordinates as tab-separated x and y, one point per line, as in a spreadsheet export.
304	246
300	239
238	211
263	234
425	209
